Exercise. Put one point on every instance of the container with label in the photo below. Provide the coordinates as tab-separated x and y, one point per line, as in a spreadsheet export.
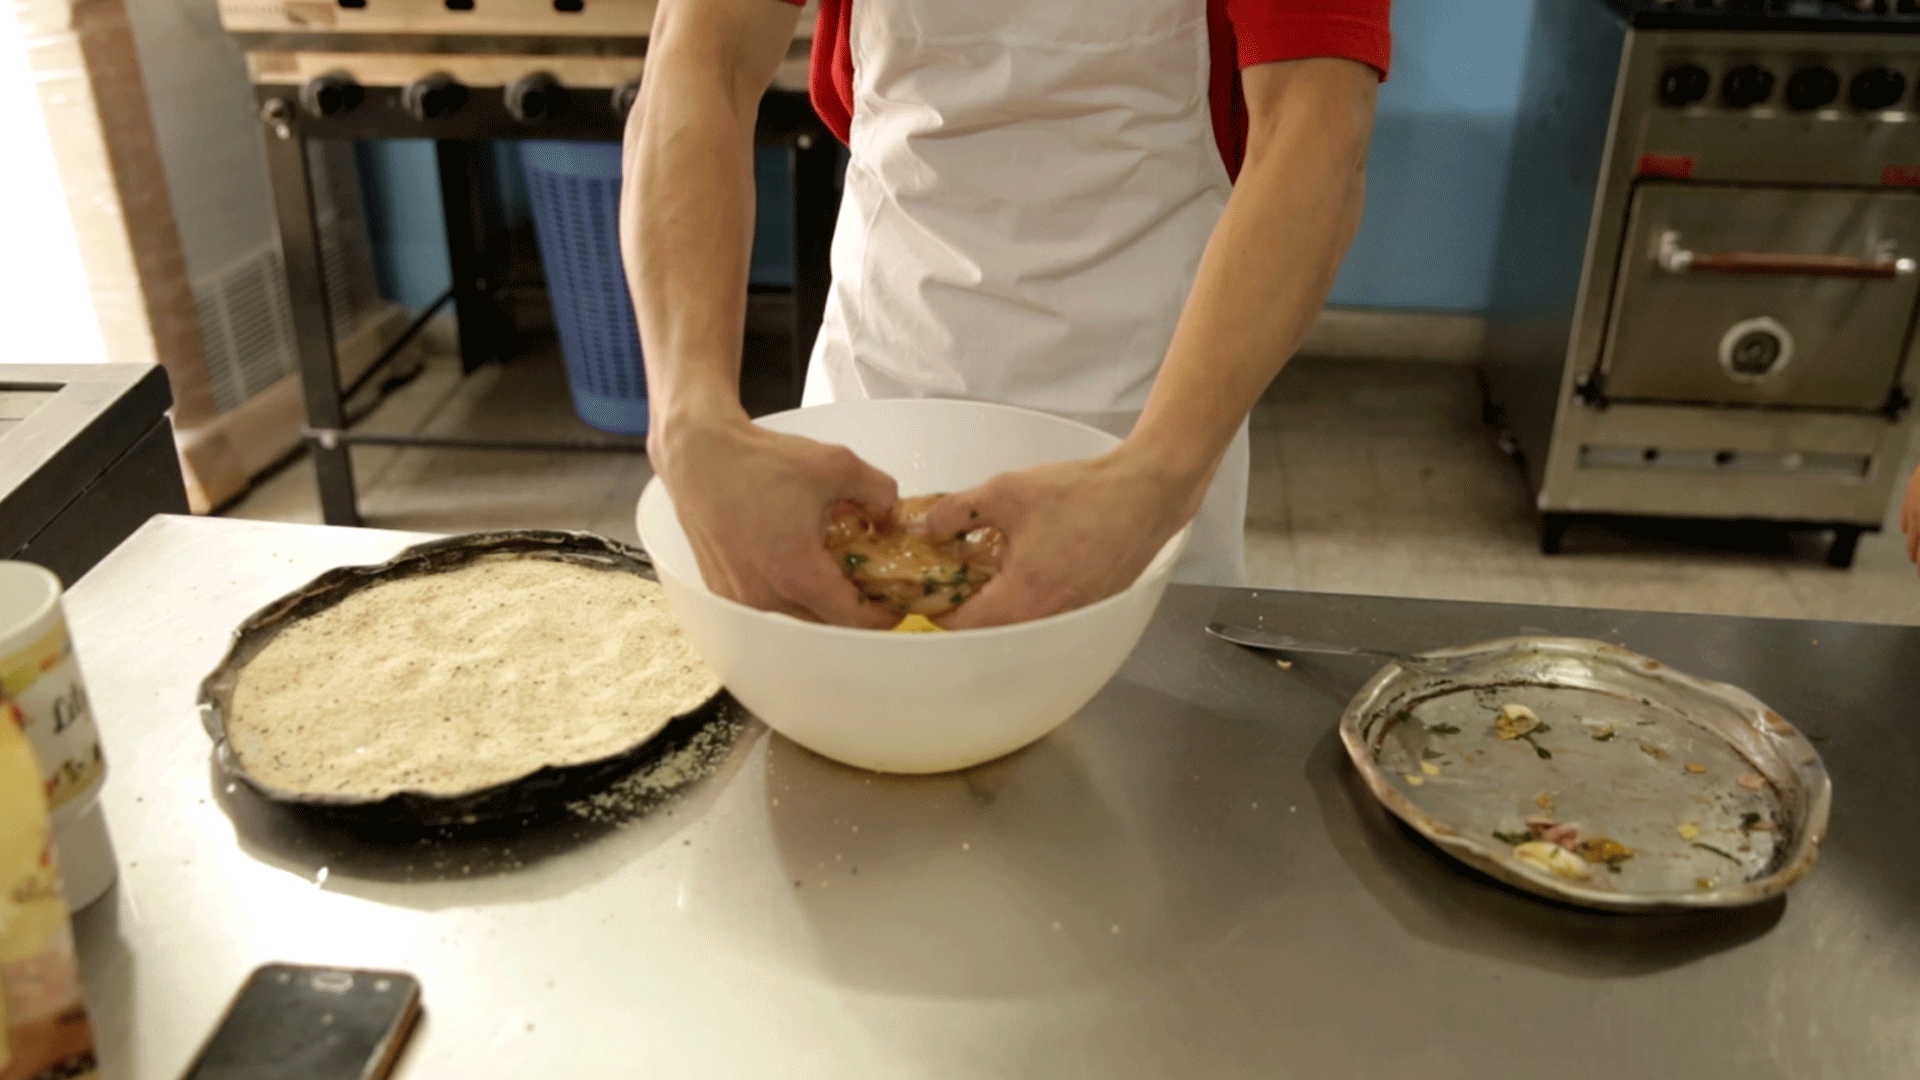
39	671
44	1033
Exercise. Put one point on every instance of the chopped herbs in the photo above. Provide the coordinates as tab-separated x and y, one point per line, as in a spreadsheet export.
932	587
1539	751
1605	736
1443	729
853	560
1748	820
1512	838
1431	755
1715	850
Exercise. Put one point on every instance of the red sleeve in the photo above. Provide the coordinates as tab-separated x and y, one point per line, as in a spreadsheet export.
1249	32
830	70
830	78
1268	30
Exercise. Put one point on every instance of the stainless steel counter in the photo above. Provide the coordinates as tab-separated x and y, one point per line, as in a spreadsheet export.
1185	881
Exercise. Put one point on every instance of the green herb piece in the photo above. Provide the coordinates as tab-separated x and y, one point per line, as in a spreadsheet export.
958	597
1613	868
1716	851
1443	729
1605	737
1511	839
1431	755
1540	729
960	575
932	587
1748	820
1540	751
854	560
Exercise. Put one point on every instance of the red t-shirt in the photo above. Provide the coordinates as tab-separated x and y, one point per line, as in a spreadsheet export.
1244	33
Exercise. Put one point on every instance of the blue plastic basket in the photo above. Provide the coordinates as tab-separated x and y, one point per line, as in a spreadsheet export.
575	192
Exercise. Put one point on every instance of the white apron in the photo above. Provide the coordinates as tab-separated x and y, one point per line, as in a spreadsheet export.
1030	189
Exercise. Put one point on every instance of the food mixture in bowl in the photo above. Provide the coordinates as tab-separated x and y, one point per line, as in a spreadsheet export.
909	575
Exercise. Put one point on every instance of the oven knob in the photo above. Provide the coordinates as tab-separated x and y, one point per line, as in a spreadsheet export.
1812	88
624	96
331	95
435	97
1747	85
1684	84
1877	88
537	97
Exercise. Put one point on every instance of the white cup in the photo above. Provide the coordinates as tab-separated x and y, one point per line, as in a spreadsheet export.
40	673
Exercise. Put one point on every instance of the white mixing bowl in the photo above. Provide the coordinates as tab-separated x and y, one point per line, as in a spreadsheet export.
912	703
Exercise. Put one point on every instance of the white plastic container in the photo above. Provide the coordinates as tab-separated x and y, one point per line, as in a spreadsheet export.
39	671
44	1031
913	703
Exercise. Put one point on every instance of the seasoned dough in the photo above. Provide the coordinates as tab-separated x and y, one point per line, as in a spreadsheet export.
911	576
457	681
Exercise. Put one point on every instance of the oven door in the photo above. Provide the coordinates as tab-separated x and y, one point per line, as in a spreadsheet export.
1762	296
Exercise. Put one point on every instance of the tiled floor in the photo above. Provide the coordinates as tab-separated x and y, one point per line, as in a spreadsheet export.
1368	477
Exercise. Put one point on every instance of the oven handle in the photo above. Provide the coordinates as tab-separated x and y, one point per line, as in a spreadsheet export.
1675	259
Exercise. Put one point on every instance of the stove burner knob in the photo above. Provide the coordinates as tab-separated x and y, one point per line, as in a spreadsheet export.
1812	88
1683	84
435	97
1877	88
535	98
331	95
1747	85
624	96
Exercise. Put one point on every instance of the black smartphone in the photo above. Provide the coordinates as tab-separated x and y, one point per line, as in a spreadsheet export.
311	1023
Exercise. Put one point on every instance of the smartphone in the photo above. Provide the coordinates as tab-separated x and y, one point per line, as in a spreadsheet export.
311	1023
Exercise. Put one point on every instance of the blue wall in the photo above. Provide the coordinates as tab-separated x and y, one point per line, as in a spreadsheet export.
1435	178
1438	166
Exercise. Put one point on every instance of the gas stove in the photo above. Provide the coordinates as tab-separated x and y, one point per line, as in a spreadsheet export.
460	72
1709	269
1803	15
454	68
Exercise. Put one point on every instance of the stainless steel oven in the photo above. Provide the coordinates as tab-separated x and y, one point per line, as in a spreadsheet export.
1706	286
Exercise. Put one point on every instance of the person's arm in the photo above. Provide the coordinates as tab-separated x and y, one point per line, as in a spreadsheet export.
753	503
1081	531
1910	517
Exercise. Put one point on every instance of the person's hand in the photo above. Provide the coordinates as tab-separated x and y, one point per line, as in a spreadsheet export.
1077	532
1910	518
754	504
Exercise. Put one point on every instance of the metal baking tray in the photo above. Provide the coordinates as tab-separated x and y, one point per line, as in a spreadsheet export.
1720	801
535	792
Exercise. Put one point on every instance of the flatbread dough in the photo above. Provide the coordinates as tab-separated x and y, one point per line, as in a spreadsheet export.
453	682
